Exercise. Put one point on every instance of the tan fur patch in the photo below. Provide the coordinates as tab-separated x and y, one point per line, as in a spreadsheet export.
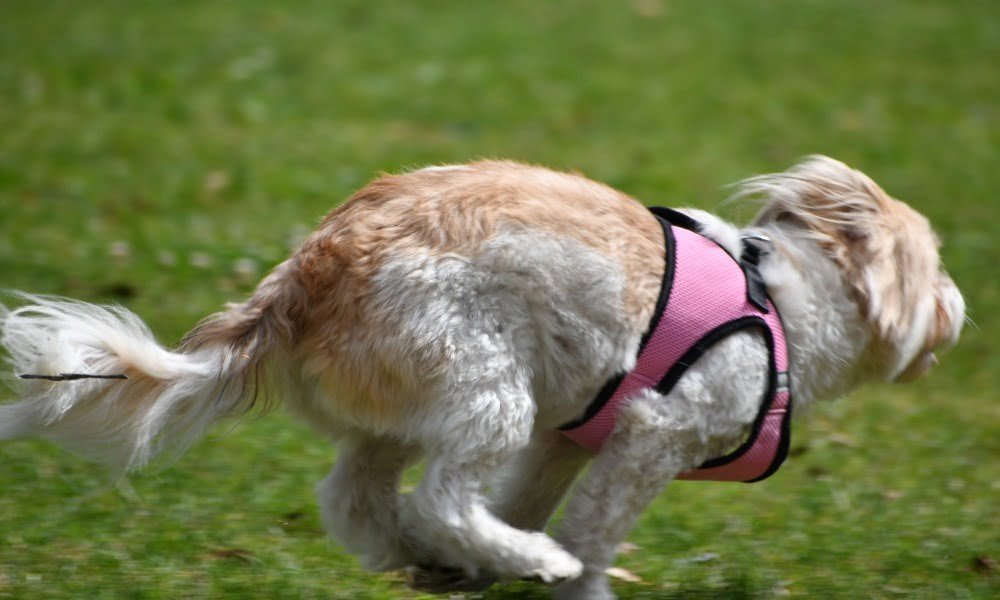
440	212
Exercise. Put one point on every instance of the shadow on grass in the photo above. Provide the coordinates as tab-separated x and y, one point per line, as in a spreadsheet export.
739	587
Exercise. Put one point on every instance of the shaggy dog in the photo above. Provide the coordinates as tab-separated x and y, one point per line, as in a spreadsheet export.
460	315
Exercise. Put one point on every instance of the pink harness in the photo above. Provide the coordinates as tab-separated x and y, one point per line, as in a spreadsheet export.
706	295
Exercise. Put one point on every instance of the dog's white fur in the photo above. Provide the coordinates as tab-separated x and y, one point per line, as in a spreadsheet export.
460	315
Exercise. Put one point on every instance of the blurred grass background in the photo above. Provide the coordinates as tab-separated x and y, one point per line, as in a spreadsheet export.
164	155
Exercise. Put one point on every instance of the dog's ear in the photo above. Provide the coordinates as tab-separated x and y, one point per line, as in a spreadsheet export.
835	205
885	250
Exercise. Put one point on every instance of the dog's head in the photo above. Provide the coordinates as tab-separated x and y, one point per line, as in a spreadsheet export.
886	251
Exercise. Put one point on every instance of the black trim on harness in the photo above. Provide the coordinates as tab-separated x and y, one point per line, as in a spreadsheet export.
675	217
666	284
705	343
702	346
783	445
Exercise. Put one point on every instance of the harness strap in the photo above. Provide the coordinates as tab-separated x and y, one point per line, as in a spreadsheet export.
750	263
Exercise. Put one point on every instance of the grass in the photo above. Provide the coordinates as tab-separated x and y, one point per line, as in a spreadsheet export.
165	154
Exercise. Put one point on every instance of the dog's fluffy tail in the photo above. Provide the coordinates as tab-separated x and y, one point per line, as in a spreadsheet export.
169	398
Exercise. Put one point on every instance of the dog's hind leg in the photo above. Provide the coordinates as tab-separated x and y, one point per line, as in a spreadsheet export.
447	512
359	500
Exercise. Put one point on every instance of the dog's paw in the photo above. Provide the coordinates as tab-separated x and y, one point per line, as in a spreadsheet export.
437	579
562	567
544	560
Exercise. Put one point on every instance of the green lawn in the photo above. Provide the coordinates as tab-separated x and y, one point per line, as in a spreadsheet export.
165	154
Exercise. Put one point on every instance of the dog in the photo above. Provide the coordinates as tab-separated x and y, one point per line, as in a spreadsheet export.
463	316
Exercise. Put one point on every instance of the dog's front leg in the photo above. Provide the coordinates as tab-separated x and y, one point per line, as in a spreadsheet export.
525	495
474	434
530	488
644	453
